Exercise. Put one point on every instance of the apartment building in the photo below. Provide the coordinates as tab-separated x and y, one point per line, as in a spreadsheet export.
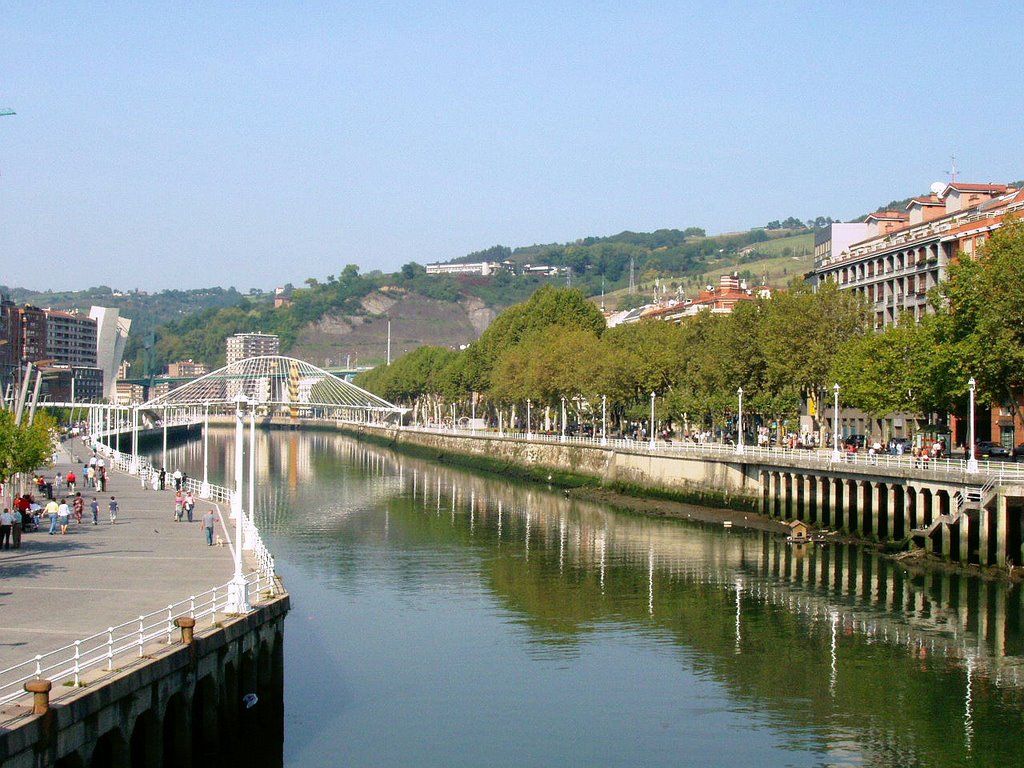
70	338
245	345
907	253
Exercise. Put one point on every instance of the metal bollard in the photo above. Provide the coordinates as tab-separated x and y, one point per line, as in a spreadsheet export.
187	625
40	689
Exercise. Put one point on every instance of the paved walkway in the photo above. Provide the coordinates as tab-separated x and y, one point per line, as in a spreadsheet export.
58	589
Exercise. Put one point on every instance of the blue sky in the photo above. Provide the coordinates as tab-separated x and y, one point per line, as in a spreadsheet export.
252	144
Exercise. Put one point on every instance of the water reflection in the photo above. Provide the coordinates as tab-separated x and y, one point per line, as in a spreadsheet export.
846	657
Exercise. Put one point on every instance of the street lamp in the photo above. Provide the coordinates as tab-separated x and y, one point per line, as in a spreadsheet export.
204	489
529	404
604	419
652	420
836	456
238	599
563	418
739	423
972	462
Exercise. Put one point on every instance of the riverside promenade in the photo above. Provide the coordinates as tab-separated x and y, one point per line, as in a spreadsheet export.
58	589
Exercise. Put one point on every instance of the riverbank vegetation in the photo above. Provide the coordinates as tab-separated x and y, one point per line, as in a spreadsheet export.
785	352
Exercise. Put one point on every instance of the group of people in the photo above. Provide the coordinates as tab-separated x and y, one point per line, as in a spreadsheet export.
27	515
184	504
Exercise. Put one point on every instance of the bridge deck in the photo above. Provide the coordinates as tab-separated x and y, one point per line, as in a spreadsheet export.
57	589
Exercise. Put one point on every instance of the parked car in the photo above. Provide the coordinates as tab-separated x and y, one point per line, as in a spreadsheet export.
857	441
991	449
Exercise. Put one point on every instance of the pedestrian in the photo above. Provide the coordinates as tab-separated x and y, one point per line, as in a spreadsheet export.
71	480
78	507
190	503
209	520
63	515
113	510
103	479
19	524
163	478
94	507
177	479
57	480
52	509
179	503
90	476
6	526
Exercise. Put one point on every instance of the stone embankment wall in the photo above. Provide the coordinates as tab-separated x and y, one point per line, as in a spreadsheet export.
182	705
696	479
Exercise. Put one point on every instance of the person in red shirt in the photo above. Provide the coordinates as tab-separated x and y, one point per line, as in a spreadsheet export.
71	481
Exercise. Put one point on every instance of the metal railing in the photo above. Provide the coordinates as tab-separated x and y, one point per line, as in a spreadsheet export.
114	647
997	471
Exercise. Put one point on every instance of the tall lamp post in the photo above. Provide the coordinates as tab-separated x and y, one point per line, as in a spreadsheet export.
604	419
836	456
972	462
204	489
739	423
528	406
652	420
563	418
238	600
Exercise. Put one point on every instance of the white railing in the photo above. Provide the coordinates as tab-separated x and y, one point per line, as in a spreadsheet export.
998	471
115	647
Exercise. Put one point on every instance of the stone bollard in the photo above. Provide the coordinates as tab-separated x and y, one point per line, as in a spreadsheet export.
187	625
41	695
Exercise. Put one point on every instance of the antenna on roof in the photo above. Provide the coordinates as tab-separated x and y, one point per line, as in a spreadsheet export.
952	172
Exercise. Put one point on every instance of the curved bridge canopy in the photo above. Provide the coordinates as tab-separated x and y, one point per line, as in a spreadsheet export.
278	383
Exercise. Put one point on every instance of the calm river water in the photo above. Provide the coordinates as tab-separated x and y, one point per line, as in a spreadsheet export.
443	618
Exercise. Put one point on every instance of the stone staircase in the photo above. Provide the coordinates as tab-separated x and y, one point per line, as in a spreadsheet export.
964	502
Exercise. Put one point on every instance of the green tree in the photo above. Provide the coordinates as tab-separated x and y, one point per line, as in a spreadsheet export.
24	447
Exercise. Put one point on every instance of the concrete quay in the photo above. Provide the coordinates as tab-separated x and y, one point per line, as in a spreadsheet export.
57	589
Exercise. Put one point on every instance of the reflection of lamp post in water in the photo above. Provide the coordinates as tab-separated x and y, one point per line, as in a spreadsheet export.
972	462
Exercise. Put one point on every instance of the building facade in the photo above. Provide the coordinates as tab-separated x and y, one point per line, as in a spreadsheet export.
71	338
242	346
908	253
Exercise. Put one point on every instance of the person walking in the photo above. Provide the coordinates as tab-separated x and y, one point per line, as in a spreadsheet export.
6	526
90	476
177	479
103	479
209	520
179	503
52	509
71	480
113	507
78	507
190	504
63	515
163	478
94	507
18	526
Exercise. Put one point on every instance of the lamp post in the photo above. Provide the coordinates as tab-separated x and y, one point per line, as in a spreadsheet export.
529	405
238	600
133	467
972	462
604	419
836	456
563	418
652	421
739	423
204	489
473	411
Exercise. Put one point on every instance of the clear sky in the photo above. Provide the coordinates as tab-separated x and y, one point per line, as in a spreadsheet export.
161	145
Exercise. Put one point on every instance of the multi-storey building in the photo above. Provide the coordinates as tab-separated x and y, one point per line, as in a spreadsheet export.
70	338
186	369
245	345
906	254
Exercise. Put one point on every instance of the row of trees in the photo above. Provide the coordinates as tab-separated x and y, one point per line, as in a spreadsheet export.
782	351
24	447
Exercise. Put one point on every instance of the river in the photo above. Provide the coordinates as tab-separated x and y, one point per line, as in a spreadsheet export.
445	618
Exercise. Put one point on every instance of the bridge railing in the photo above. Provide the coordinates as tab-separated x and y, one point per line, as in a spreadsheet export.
1000	471
116	646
